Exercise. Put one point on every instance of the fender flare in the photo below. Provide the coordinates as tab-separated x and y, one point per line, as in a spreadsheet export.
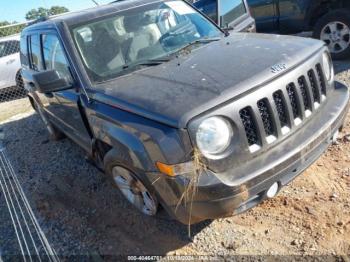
125	142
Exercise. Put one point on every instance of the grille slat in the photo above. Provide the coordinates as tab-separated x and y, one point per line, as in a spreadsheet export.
305	93
281	108
321	79
266	116
314	86
293	98
250	126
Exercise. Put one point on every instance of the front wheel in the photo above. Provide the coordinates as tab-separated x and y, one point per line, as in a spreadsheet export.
334	29
134	191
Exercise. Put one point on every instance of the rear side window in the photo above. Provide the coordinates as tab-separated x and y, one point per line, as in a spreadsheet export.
9	47
54	56
24	51
35	56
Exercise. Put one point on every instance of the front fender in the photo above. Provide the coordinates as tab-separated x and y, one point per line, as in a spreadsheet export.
118	138
144	141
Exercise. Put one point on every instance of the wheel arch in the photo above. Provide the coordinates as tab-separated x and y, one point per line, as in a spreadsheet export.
18	73
322	9
111	138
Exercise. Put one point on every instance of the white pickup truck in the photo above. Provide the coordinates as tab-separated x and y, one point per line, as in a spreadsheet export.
10	65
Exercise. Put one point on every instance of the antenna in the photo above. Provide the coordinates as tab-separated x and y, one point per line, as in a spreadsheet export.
95	2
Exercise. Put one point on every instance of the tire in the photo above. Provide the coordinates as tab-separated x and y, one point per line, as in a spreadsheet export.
334	29
130	184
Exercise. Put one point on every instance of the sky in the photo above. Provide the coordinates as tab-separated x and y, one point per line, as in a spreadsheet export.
15	10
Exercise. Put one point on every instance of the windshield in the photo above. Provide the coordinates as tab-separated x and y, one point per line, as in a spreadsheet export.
116	45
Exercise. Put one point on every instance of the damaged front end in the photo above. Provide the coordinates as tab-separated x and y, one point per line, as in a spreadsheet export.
276	132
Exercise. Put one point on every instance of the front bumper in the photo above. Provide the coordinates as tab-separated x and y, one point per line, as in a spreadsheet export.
220	195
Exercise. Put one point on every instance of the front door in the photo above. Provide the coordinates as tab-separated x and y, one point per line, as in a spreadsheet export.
62	107
292	15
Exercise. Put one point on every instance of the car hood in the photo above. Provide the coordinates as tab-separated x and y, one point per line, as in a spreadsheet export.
193	83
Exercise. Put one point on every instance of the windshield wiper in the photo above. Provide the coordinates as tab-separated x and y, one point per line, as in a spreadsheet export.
148	62
199	41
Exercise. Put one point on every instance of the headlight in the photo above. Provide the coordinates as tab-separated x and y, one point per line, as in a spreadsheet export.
213	135
327	66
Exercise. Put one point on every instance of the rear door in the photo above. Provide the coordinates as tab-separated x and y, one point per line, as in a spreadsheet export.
265	13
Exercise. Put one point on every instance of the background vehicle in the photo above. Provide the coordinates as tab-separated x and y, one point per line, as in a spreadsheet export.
232	14
328	19
10	73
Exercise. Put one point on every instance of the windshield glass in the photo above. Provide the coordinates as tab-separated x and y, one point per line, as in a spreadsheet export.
116	45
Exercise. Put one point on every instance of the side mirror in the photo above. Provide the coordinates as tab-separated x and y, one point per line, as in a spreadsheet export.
50	81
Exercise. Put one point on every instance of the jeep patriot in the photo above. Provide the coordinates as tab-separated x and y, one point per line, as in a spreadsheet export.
178	113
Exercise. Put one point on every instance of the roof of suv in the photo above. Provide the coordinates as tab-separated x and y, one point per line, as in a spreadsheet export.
77	17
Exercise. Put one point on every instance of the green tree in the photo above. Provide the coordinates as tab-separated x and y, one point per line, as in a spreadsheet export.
10	30
42	12
3	23
55	10
37	13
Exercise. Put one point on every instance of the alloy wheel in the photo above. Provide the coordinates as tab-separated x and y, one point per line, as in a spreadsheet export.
337	36
134	191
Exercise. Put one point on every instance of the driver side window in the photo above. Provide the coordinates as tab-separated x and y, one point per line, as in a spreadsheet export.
54	56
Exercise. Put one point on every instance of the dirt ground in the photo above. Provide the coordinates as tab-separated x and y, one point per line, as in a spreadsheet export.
82	214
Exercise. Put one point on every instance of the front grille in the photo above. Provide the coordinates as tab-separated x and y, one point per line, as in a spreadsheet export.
287	108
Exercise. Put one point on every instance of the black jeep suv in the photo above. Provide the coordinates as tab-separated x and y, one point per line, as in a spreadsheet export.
179	113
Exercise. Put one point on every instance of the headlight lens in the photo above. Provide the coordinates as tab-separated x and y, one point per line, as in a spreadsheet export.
213	135
327	66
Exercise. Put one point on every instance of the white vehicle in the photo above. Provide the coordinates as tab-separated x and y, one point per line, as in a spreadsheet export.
10	64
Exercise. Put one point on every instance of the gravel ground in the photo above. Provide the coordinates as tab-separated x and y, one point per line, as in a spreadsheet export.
81	213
